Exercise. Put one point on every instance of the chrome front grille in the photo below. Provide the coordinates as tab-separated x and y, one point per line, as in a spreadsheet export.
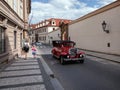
73	52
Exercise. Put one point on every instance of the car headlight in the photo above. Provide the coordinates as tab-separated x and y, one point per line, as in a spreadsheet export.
68	56
81	56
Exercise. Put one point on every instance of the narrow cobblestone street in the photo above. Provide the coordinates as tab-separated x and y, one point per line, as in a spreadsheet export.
59	45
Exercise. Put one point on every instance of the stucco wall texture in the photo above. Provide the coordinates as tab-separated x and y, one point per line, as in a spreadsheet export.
88	33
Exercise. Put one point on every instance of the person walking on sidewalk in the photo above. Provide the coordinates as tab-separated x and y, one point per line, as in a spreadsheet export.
34	51
25	48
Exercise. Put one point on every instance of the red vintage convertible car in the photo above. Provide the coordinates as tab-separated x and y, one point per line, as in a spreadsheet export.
65	51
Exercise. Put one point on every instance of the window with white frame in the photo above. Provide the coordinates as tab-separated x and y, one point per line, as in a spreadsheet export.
53	22
15	5
21	9
53	29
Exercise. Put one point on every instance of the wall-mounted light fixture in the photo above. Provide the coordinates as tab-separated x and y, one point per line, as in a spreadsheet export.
104	24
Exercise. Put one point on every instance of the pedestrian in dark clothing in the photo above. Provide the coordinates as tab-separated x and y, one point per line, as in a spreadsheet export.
25	48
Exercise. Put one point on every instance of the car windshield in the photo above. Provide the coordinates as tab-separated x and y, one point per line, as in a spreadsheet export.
68	44
60	43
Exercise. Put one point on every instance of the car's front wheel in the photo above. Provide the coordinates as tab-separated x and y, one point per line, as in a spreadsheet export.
81	61
62	60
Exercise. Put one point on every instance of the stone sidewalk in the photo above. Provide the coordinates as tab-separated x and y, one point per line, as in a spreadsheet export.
110	57
114	58
22	75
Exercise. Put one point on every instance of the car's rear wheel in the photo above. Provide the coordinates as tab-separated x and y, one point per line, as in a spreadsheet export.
62	60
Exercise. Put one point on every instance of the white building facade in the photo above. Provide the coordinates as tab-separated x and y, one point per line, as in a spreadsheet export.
54	35
47	30
88	32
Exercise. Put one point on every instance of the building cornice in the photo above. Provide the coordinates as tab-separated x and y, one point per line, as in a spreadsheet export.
10	14
101	10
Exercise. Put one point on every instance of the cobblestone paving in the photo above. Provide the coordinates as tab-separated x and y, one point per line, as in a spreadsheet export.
22	75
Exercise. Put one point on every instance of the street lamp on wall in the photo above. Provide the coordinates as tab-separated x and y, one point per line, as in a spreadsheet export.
104	24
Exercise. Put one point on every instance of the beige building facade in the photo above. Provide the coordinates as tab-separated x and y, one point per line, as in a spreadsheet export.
13	27
88	32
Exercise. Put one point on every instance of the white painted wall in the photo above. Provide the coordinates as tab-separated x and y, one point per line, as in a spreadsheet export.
88	33
54	36
50	29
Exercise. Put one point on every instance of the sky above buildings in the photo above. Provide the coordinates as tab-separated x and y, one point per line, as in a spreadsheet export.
65	9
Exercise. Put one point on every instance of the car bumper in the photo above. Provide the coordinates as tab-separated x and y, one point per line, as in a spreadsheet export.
73	59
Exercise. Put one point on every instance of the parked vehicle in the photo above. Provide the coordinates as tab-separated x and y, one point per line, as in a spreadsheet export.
38	43
65	51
